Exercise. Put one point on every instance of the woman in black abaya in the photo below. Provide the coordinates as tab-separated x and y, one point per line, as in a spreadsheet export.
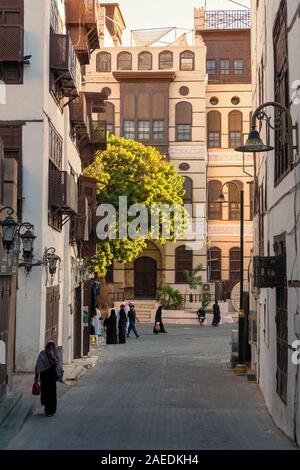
49	371
110	324
159	326
122	325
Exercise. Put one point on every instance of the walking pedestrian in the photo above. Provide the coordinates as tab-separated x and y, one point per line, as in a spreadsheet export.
110	325
132	317
201	315
217	314
92	324
97	322
122	325
48	371
159	326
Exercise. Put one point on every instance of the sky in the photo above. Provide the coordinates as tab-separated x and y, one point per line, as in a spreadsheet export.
163	13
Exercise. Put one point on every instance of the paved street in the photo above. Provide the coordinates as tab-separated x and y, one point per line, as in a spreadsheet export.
167	392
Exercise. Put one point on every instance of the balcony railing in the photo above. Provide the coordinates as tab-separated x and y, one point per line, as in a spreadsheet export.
63	194
78	112
11	43
99	134
75	12
228	19
64	63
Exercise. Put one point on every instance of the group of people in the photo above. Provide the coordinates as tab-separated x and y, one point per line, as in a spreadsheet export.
216	314
125	321
48	370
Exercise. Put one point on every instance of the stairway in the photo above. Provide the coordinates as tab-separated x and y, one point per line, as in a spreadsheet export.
145	309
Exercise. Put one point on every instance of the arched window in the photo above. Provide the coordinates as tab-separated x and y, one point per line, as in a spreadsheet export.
214	208
214	264
103	62
184	119
187	61
214	129
183	263
145	61
165	60
109	116
188	187
124	61
234	264
235	126
234	200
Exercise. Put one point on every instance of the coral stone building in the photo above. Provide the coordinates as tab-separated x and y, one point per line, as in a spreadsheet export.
157	95
275	294
226	35
45	128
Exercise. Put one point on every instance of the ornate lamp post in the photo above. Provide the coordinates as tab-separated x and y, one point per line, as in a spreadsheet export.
9	228
254	142
241	367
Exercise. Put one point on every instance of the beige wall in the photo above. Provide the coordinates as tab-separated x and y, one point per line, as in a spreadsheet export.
226	165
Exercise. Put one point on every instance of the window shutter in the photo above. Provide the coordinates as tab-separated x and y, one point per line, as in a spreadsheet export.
143	106
214	121
145	61
183	262
158	106
11	135
184	113
88	191
129	106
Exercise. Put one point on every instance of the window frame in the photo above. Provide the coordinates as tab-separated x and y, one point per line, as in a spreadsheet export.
238	70
192	56
142	132
119	56
139	60
132	130
215	67
98	62
160	60
222	69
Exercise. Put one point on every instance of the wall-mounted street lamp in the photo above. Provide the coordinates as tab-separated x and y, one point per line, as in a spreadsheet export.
254	142
27	236
51	261
11	232
9	229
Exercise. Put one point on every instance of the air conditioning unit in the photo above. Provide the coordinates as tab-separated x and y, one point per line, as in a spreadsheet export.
206	288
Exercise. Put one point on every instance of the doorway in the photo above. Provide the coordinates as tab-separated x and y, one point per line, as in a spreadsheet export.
145	272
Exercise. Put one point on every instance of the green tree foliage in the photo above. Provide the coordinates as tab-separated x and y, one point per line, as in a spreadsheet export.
193	279
130	169
169	298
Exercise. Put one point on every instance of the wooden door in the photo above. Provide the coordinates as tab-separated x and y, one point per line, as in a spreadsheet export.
52	314
145	277
5	295
77	323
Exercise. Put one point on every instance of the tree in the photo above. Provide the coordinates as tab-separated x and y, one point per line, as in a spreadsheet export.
193	279
140	173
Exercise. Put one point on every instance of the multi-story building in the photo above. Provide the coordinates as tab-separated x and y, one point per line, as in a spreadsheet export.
46	127
226	35
275	288
157	95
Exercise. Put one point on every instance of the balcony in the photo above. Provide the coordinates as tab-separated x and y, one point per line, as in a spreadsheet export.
63	194
64	65
227	19
99	135
84	23
11	43
269	272
78	116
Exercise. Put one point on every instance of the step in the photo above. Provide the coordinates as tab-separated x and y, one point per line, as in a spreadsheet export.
8	405
16	420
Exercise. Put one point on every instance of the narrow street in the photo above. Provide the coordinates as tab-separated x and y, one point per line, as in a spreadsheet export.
172	392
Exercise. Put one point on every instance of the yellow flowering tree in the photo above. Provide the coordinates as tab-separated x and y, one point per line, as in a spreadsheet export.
128	168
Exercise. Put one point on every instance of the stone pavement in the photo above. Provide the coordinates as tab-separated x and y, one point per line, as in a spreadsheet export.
172	392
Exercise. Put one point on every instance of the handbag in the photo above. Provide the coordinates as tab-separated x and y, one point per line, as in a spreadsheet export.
36	389
157	327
